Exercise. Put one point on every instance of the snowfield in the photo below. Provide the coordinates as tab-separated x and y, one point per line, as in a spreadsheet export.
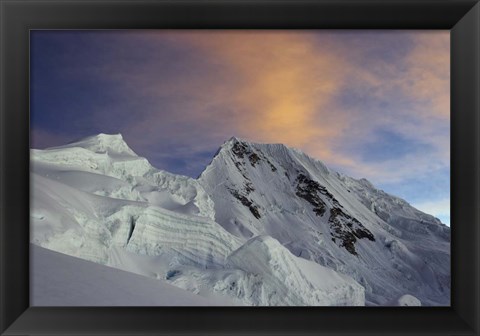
262	225
61	280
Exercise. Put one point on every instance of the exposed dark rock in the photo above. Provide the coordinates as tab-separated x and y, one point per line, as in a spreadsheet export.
254	158
248	203
239	149
248	187
347	229
272	167
308	190
344	228
364	233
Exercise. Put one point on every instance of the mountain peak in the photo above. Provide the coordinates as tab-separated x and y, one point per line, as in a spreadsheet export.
235	139
104	143
117	136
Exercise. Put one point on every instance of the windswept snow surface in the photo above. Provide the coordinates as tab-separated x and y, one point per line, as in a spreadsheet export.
262	225
62	280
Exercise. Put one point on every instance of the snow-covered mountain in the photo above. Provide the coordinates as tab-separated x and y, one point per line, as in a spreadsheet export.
348	225
262	225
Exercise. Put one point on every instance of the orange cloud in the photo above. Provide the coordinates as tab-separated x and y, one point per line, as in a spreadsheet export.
418	88
286	86
286	83
428	76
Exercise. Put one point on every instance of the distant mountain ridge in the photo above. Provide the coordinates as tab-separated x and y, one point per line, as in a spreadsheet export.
132	216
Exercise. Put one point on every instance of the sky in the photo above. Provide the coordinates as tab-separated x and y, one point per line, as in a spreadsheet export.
372	104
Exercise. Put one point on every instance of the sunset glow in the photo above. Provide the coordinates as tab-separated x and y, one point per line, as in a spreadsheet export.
372	104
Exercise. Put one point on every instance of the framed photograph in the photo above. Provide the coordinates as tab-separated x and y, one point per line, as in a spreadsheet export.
240	168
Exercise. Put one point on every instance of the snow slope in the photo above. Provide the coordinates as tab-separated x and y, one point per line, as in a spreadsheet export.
295	278
348	225
61	280
97	200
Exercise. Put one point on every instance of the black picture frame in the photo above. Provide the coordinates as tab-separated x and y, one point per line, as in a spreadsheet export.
18	17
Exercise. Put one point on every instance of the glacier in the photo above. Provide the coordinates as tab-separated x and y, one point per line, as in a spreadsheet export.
263	224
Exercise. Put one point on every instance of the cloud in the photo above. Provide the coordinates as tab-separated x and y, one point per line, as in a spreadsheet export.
408	97
286	82
181	93
270	83
267	86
